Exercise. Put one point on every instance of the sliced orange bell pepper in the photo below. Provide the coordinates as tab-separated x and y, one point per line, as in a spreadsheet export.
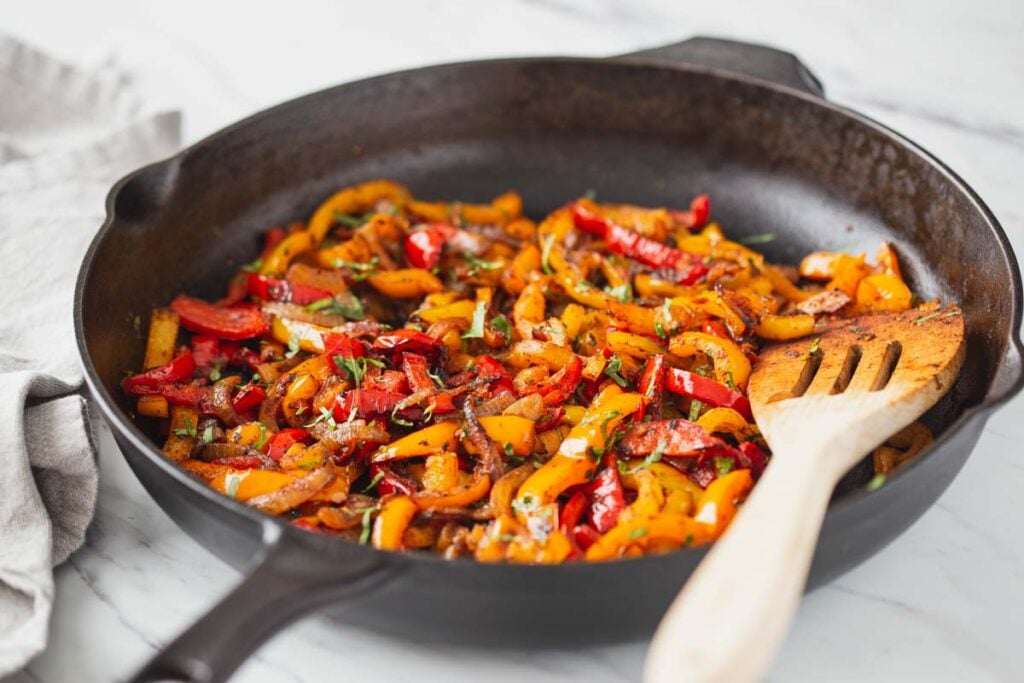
396	514
245	484
518	432
433	439
635	345
883	293
405	283
184	420
282	254
665	530
461	310
299	393
441	472
718	504
309	336
477	488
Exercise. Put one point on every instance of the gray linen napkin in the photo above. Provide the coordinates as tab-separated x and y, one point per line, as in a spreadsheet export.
65	136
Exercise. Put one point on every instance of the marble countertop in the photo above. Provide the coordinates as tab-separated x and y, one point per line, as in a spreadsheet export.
943	602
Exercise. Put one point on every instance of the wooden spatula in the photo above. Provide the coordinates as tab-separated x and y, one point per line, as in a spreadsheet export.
822	404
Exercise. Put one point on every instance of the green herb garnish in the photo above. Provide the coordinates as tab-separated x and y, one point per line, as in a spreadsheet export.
360	271
208	434
623	293
356	367
502	325
590	194
293	345
352	220
724	465
263	436
637	533
476	329
659	330
613	369
545	254
695	408
364	537
188	430
373	482
654	457
876	482
477	264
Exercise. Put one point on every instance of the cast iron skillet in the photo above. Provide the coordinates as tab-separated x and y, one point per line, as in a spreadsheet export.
747	124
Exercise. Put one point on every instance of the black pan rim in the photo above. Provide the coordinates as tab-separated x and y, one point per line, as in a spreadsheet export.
123	425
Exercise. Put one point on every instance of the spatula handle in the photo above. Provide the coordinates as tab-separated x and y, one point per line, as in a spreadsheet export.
731	617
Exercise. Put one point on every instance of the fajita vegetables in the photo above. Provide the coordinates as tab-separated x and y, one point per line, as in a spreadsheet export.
457	378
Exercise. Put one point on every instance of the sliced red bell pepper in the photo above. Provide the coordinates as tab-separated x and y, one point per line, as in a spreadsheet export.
607	499
752	458
238	288
672	438
272	289
180	369
206	351
285	439
441	403
417	372
181	395
550	420
559	388
572	511
707	391
408	341
237	322
493	370
390	482
634	245
585	536
248	397
651	386
340	344
366	403
423	246
391	381
241	462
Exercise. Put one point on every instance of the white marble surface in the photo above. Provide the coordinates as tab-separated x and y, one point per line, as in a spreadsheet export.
942	603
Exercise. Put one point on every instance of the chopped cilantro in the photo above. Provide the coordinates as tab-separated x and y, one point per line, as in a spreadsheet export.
398	420
654	457
659	330
545	254
325	416
208	434
215	373
373	482
509	453
623	293
364	537
815	346
526	505
350	219
476	329
361	270
253	267
188	430
876	482
729	381
293	345
695	408
477	264
263	436
724	465
639	532
612	370
231	482
501	324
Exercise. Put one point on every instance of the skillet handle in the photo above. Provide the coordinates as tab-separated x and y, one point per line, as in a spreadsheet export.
748	59
1009	378
287	583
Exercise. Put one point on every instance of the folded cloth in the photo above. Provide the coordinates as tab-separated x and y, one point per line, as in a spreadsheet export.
65	136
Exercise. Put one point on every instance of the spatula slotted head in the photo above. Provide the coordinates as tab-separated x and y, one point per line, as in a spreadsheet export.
860	381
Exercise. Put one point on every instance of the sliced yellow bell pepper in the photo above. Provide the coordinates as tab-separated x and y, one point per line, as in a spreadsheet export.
309	336
725	421
635	345
477	488
783	327
518	432
355	199
462	310
281	255
441	472
727	357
